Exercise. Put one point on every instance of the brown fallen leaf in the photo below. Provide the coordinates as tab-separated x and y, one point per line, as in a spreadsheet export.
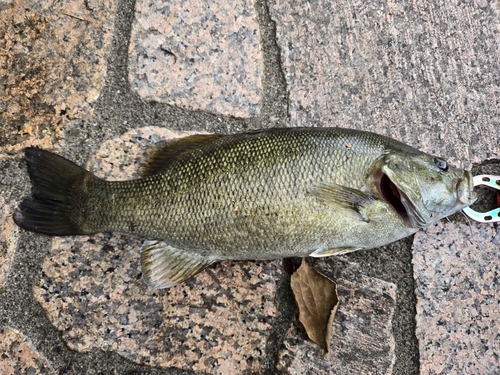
316	296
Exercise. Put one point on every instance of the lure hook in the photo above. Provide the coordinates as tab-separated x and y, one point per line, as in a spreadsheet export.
492	216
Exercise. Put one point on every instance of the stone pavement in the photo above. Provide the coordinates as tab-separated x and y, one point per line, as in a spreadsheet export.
100	82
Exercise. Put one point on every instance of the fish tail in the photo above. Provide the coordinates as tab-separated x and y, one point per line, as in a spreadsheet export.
58	189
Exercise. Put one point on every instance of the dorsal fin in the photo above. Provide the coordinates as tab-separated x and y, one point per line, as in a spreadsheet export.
160	159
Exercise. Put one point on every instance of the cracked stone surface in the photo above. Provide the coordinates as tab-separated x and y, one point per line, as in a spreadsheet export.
52	67
92	291
199	55
362	341
401	69
19	356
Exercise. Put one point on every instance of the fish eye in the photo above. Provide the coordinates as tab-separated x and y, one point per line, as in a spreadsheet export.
441	164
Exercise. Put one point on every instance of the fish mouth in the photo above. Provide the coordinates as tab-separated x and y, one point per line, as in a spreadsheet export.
409	213
464	188
393	196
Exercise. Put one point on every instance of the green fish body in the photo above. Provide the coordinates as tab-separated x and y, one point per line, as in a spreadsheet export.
261	195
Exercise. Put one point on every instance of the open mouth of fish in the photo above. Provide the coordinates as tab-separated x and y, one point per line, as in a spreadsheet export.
393	196
405	208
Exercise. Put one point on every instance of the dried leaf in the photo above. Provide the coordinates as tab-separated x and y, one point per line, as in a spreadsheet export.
316	296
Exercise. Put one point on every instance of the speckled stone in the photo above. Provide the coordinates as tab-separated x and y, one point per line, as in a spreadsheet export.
200	55
362	341
9	233
425	73
457	288
92	291
52	66
18	356
10	171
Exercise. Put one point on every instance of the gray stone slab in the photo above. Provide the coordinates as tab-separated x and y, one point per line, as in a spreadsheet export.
199	55
362	340
425	73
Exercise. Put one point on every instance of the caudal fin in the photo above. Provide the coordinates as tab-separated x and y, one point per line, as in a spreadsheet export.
55	205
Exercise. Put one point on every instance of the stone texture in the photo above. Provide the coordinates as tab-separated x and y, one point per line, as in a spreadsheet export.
362	341
425	73
9	233
92	291
456	271
200	55
52	66
10	171
18	356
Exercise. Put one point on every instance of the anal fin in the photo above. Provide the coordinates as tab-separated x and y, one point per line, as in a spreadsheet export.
164	266
335	251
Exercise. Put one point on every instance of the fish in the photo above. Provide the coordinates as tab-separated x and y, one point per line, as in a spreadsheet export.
259	195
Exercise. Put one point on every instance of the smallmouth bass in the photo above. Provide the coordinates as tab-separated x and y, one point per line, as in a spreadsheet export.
259	195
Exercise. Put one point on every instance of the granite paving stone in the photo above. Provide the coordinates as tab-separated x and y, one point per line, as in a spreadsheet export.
423	72
53	58
362	340
426	73
9	234
199	55
92	291
456	269
18	356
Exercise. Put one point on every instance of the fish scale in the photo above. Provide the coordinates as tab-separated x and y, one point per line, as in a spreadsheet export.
259	195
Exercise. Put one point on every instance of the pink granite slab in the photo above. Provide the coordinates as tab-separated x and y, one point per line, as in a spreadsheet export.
19	356
199	55
457	271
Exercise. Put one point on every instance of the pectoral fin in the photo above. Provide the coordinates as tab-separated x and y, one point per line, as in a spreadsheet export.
336	251
164	266
345	197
